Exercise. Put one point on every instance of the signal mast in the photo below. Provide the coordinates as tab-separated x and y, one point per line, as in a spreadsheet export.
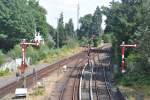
24	44
123	46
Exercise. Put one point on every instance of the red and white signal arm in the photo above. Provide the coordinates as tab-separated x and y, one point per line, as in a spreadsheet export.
123	46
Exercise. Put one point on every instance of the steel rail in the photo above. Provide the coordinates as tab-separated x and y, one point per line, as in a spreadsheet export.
74	84
10	87
108	89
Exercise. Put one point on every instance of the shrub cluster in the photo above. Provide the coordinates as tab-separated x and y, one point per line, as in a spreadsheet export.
43	52
2	57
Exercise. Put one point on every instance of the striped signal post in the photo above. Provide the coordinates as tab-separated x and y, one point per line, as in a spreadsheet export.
123	46
24	44
23	49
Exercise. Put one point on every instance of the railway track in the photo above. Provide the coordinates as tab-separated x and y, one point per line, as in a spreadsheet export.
96	78
71	87
69	91
10	88
85	86
102	79
103	89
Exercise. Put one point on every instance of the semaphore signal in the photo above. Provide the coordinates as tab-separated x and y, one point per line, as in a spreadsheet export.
24	44
123	46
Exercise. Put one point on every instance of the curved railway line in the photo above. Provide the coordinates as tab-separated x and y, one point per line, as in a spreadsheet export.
99	83
86	79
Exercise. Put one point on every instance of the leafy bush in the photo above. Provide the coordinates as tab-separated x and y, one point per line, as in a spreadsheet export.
72	43
4	72
132	61
50	42
84	41
2	57
135	78
42	52
33	54
39	91
96	42
137	71
108	37
15	52
37	54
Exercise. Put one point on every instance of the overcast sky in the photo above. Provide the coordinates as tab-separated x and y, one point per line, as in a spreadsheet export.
69	9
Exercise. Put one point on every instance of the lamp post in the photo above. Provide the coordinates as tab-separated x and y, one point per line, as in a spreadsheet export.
123	46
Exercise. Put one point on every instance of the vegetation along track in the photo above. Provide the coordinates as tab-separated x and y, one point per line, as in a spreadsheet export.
10	88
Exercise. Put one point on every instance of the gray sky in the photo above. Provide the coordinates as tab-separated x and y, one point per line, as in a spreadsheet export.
69	9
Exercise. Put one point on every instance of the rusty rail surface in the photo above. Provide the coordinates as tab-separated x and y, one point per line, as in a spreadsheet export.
71	85
73	92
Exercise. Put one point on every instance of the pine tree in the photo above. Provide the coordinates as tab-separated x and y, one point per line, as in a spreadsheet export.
69	29
61	35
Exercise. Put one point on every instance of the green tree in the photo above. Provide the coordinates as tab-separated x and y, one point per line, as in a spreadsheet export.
19	19
51	36
2	57
60	35
40	18
129	21
16	22
143	38
69	29
123	19
96	22
85	28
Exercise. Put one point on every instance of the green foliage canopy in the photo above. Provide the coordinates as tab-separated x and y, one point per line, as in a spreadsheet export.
19	19
90	25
